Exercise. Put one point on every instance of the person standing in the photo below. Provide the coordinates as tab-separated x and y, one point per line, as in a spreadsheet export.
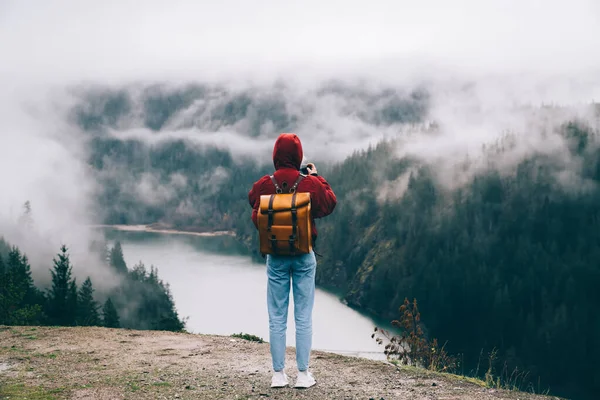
297	271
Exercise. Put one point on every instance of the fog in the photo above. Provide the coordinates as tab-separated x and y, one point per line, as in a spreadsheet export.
41	161
111	40
487	65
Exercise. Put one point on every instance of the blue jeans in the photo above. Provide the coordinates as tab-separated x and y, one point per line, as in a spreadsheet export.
301	271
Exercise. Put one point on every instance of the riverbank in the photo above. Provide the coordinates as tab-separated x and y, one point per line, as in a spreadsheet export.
159	229
100	363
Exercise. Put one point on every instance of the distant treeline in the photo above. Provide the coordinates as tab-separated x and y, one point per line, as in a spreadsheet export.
140	301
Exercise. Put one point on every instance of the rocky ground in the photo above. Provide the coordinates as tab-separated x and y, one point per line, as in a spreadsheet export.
97	363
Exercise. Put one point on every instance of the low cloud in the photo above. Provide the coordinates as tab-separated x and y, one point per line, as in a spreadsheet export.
522	117
333	119
395	189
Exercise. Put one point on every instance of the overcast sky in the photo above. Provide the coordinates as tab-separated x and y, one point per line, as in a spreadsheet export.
131	39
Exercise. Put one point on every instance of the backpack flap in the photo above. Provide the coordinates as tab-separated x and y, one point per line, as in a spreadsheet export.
283	202
283	229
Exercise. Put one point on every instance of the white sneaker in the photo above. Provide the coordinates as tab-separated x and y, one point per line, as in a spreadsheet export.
305	380
279	379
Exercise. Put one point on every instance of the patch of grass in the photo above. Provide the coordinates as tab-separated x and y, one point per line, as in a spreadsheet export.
21	354
246	336
415	370
418	371
516	380
46	355
20	391
162	384
468	379
134	387
18	349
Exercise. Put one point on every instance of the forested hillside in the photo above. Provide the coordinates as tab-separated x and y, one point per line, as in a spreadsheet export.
140	300
511	261
508	260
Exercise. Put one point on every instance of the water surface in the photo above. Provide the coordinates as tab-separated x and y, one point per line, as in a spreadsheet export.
221	291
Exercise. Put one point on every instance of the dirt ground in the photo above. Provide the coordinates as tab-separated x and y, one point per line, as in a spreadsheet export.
97	363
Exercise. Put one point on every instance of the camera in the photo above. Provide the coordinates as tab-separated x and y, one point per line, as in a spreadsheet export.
304	166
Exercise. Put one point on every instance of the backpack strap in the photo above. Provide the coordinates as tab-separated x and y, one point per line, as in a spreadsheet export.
277	188
294	223
270	211
294	214
295	186
273	239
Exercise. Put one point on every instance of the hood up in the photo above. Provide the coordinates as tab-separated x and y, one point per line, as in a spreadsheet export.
287	152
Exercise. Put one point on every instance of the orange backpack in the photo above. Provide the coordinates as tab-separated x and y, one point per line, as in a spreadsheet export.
284	223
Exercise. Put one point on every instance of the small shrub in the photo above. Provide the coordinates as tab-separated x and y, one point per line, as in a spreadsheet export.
411	347
246	336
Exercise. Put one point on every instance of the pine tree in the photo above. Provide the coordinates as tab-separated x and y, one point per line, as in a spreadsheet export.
87	307
4	248
5	284
62	297
32	295
110	315
26	218
117	261
72	301
18	295
154	306
19	266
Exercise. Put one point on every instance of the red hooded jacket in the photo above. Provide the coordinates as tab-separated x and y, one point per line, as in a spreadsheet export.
287	157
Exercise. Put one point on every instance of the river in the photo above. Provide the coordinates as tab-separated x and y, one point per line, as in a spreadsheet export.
221	291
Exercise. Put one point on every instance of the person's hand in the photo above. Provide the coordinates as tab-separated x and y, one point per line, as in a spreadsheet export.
312	169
